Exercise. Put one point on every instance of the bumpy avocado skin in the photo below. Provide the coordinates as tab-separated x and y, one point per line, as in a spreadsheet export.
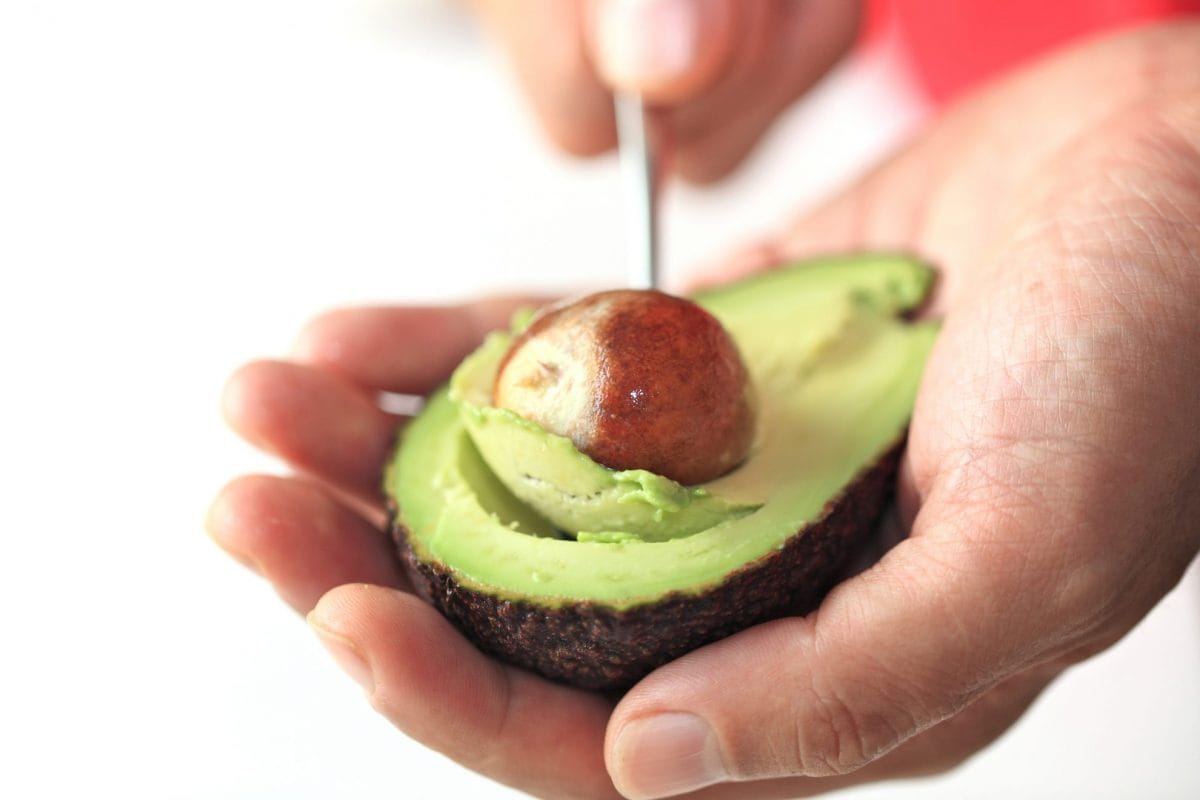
595	647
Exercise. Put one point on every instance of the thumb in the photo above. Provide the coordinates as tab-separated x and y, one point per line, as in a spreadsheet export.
666	50
889	654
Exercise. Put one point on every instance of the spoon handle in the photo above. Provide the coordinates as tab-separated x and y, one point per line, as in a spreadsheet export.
638	168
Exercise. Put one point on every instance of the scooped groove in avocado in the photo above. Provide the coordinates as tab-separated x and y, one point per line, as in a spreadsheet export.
595	577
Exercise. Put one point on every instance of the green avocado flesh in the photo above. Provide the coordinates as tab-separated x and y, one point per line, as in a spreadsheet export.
835	370
570	490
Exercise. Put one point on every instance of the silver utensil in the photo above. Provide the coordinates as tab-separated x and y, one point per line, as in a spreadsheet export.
639	171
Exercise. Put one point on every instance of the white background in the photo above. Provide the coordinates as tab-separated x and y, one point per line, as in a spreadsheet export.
181	186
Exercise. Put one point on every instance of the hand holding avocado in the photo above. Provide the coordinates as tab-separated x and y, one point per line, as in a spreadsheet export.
1049	491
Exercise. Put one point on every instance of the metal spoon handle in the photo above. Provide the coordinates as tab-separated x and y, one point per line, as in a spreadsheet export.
639	170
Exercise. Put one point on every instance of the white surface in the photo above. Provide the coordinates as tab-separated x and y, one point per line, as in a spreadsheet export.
181	185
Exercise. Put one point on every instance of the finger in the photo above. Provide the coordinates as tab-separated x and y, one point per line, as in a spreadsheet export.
435	686
543	40
298	537
314	420
939	749
410	350
783	50
667	51
889	654
951	742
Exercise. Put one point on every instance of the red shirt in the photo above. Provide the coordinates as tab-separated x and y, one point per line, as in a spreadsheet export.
953	44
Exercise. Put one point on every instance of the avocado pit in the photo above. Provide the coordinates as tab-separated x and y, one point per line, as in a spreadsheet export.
636	380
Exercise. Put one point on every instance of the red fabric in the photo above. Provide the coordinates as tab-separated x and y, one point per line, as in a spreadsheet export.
954	44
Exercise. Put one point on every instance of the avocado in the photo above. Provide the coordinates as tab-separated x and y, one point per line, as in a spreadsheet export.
595	577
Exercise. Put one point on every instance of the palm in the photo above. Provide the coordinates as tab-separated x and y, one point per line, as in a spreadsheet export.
1061	234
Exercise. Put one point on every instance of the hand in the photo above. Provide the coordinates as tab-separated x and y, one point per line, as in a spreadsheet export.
718	71
1051	485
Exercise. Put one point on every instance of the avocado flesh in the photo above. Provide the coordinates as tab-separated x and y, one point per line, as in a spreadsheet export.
835	370
570	490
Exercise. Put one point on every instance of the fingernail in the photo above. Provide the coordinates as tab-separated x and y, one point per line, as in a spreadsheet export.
666	754
346	654
640	42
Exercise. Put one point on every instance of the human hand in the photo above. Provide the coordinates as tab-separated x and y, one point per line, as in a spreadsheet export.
717	72
1050	488
1052	479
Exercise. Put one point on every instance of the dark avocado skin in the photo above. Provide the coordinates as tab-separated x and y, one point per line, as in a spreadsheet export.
594	647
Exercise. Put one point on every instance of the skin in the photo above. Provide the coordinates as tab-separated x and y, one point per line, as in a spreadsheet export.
1050	492
752	59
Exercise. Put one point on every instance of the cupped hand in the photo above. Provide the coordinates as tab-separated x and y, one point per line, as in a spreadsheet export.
717	72
1050	489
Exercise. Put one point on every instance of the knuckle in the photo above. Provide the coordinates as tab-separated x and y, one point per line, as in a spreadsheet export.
832	741
835	736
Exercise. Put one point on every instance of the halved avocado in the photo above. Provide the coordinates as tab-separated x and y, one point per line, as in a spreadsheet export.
835	366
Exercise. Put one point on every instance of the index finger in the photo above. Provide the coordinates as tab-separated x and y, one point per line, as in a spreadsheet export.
403	349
